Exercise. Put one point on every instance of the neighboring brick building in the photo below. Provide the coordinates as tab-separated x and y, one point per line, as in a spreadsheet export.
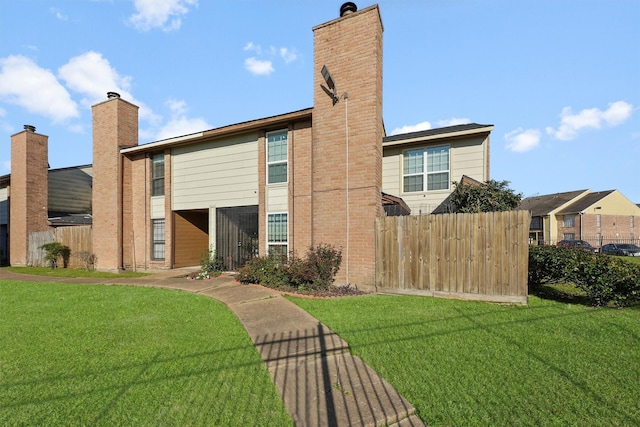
281	183
598	217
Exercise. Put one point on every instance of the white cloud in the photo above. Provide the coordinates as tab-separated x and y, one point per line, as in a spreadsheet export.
452	122
251	47
164	14
91	75
258	67
24	83
411	128
288	55
61	16
521	140
592	118
180	124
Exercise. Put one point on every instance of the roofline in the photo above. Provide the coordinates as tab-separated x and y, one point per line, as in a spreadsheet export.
229	130
433	134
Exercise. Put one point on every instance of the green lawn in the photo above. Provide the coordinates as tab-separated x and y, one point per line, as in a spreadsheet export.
73	272
119	355
477	364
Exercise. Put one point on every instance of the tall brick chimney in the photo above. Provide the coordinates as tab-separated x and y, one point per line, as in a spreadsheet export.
347	112
115	126
29	191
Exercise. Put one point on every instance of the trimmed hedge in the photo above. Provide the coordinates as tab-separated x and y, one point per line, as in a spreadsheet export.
603	279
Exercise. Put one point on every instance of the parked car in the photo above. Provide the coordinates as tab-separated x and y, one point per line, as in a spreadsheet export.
622	249
577	244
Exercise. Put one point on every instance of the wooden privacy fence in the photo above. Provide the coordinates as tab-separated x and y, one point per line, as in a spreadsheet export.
466	256
77	238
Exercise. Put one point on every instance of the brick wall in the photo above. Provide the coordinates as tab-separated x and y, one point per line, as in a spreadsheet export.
351	49
29	192
115	126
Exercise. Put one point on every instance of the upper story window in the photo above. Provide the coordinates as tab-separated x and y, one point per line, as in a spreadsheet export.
426	169
569	221
598	220
631	221
157	175
277	157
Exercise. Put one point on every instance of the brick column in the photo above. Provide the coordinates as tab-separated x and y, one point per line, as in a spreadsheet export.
350	48
29	191
115	126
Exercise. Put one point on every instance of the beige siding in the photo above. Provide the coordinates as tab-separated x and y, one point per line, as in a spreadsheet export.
221	173
466	156
157	207
4	206
277	198
614	204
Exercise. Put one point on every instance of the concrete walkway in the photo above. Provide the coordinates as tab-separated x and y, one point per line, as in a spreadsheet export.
320	382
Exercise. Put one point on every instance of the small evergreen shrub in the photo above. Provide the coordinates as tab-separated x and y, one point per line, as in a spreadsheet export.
603	279
607	279
56	251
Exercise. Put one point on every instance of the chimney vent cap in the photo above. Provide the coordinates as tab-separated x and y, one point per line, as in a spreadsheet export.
347	8
112	95
30	128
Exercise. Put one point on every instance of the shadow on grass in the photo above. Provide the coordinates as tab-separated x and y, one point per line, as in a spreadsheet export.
565	293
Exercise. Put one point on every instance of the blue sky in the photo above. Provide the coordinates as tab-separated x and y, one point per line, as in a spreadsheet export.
560	79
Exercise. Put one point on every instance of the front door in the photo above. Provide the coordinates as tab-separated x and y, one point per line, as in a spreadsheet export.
236	235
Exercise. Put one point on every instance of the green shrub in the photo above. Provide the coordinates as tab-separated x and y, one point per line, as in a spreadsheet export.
602	278
548	264
211	265
55	251
317	270
270	270
607	279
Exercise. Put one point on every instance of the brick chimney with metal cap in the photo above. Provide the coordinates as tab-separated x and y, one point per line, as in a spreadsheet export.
347	139
29	192
115	126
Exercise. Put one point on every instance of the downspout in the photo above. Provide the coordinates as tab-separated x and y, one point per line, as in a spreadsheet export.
581	212
120	210
147	200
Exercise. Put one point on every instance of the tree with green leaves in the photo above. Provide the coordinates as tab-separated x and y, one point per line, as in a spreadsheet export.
490	196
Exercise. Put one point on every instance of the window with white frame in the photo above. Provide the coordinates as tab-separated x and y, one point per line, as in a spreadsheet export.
426	169
631	221
569	221
157	175
277	233
598	220
569	236
157	245
277	157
